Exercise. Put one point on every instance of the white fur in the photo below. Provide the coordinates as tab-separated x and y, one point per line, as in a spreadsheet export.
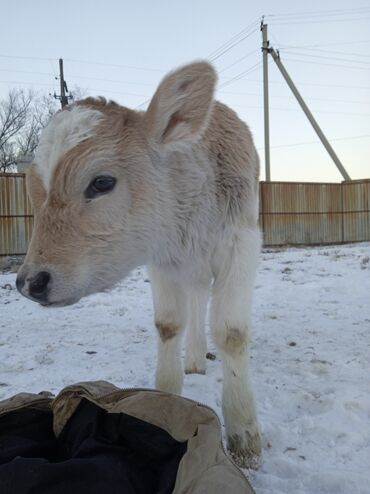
230	317
196	344
65	130
170	309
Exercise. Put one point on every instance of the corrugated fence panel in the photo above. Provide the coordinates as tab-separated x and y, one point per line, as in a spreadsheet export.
15	215
356	211
301	213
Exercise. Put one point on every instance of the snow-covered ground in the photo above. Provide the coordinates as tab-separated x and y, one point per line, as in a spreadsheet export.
310	360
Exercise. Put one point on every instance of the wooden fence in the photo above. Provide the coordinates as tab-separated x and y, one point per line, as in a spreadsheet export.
290	213
16	218
315	213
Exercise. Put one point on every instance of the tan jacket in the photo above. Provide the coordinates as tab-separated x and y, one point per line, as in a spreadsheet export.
204	469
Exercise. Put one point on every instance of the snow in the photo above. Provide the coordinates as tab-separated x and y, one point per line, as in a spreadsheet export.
310	360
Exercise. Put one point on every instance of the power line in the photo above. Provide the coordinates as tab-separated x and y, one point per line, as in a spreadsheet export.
334	43
79	76
27	58
233	38
321	13
234	44
85	62
112	81
317	142
28	72
28	82
117	81
312	84
87	88
323	57
102	91
239	76
320	50
295	22
326	64
105	64
239	60
311	98
279	108
142	104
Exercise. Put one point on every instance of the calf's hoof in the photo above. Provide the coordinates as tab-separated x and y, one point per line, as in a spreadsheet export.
193	369
245	450
195	364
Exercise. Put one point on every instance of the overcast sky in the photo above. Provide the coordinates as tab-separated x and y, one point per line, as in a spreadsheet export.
121	49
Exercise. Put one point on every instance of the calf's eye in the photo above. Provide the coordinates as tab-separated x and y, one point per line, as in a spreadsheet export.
99	186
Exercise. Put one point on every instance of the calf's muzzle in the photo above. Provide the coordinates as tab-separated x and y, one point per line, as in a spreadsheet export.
34	287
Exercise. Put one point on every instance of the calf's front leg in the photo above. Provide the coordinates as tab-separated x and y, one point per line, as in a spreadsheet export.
196	343
170	312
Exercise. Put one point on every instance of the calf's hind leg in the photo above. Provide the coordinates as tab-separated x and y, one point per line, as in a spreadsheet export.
230	323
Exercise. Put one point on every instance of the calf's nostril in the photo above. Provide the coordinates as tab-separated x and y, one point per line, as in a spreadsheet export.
39	284
19	283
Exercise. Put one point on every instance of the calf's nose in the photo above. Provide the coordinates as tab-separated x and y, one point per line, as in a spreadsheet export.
37	285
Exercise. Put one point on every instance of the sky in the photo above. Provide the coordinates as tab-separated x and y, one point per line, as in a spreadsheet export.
121	50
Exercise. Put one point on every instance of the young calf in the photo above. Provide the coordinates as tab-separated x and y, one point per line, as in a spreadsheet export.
176	188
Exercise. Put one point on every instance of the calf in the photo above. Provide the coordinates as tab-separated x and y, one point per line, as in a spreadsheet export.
175	188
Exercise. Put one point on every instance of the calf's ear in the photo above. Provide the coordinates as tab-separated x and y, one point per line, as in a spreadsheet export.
35	188
180	109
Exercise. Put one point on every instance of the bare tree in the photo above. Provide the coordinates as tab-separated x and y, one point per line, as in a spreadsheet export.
22	117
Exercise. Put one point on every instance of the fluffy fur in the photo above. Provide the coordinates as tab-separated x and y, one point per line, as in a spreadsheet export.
185	204
64	132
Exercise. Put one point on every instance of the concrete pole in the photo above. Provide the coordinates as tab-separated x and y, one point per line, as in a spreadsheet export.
63	97
265	48
275	55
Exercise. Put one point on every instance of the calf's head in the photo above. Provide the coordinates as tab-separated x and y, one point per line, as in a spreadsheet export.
95	187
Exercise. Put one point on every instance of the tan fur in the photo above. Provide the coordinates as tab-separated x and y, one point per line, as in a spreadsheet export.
235	341
35	188
166	331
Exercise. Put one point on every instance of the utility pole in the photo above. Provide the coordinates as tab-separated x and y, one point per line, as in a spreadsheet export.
62	97
265	52
276	56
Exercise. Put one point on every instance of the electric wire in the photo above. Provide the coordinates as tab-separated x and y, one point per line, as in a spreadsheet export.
295	22
293	144
238	60
320	50
333	43
321	13
212	59
241	105
325	64
98	90
215	52
323	57
240	75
